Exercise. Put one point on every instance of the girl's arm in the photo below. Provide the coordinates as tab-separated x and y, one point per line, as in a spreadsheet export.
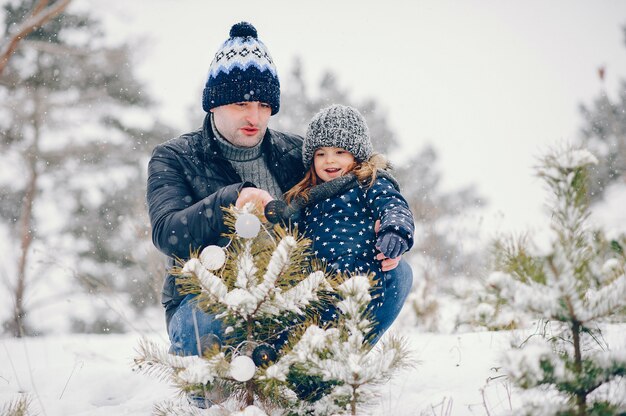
392	209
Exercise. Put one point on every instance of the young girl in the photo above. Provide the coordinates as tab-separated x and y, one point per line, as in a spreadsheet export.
345	191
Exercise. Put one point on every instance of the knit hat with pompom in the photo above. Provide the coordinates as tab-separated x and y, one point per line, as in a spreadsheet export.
242	70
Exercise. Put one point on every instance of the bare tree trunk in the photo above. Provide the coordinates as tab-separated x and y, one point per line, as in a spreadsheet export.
353	402
248	352
581	398
26	225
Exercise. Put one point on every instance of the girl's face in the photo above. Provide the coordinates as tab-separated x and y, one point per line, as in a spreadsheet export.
332	162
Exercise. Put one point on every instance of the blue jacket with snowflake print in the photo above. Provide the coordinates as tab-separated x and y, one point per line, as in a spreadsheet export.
341	225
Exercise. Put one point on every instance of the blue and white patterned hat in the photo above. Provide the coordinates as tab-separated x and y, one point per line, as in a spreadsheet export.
242	70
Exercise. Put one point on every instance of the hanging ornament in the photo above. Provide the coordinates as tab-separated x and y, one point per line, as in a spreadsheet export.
209	342
242	368
213	257
274	211
247	226
263	355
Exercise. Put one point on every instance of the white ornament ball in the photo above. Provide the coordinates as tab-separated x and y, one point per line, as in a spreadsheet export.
247	226
251	410
242	368
213	257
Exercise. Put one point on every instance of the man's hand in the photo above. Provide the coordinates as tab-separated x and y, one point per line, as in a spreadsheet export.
254	195
386	264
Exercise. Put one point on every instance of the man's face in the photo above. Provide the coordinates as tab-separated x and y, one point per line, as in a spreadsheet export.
242	124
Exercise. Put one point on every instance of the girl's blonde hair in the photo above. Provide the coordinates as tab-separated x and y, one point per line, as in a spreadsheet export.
364	171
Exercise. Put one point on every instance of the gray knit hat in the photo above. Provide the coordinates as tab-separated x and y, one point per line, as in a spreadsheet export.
337	126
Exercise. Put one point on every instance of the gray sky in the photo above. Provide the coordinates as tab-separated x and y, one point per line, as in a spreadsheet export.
491	84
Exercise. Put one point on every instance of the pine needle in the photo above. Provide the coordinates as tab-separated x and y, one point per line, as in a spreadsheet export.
17	407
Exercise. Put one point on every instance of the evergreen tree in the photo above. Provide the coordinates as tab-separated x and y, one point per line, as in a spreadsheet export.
274	357
77	134
435	211
604	132
298	106
574	288
441	242
445	245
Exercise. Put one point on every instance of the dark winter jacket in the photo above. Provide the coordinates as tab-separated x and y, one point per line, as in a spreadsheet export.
339	218
188	184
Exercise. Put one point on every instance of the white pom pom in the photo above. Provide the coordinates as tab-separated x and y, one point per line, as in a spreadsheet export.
213	257
251	410
247	226
242	368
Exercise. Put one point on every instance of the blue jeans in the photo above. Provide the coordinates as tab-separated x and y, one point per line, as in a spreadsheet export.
398	284
189	325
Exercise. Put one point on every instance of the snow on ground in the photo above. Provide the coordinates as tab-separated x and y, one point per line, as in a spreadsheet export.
451	371
78	375
457	374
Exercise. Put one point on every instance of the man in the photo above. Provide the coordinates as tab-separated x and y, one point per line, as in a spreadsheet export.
234	158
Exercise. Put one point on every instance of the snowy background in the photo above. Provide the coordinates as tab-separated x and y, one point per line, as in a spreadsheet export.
490	84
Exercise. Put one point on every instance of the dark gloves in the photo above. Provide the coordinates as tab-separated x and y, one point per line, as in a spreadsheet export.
391	244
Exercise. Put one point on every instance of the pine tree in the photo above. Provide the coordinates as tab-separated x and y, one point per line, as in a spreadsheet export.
573	290
444	245
340	355
604	132
76	136
299	105
439	241
275	357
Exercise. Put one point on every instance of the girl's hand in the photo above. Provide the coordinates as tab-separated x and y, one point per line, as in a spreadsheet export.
385	264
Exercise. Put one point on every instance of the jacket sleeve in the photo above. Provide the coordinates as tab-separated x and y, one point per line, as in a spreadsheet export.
180	224
392	209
